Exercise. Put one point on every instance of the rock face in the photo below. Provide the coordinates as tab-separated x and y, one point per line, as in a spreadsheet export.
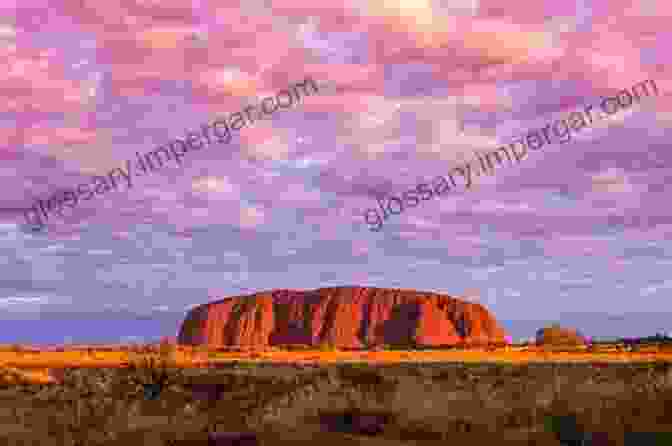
346	317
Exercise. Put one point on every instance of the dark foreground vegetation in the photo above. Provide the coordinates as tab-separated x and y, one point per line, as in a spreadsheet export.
241	403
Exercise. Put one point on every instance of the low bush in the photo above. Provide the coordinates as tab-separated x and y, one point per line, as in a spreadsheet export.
326	347
296	347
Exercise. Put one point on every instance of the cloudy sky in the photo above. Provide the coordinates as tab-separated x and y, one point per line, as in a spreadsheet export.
408	88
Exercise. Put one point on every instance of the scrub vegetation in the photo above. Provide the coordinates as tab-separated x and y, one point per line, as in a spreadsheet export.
154	396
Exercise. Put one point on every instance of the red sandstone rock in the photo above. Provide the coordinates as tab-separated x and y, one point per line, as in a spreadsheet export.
342	316
559	336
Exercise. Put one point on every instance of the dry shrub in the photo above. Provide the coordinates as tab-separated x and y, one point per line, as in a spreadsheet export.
367	380
355	421
296	347
152	376
418	430
327	347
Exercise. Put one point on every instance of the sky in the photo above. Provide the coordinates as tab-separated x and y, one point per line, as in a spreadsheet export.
408	89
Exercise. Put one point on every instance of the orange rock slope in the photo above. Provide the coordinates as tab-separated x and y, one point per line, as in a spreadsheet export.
346	317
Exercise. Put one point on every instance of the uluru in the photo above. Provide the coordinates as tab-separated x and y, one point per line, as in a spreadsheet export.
344	317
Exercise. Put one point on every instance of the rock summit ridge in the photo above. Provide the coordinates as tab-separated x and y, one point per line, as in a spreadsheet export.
345	317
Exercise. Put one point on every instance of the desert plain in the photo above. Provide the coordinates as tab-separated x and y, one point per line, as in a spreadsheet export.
165	395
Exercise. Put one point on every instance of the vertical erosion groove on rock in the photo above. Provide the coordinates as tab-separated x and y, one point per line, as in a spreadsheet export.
345	317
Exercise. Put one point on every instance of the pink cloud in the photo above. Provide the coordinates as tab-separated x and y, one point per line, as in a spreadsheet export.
229	82
251	217
301	195
449	36
120	14
163	37
33	80
11	137
611	180
342	102
143	48
226	212
485	95
259	134
348	77
529	13
463	49
265	62
43	135
143	44
333	16
169	10
172	45
359	250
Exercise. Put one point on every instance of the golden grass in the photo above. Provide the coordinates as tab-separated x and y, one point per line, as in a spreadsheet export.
34	376
508	404
37	363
